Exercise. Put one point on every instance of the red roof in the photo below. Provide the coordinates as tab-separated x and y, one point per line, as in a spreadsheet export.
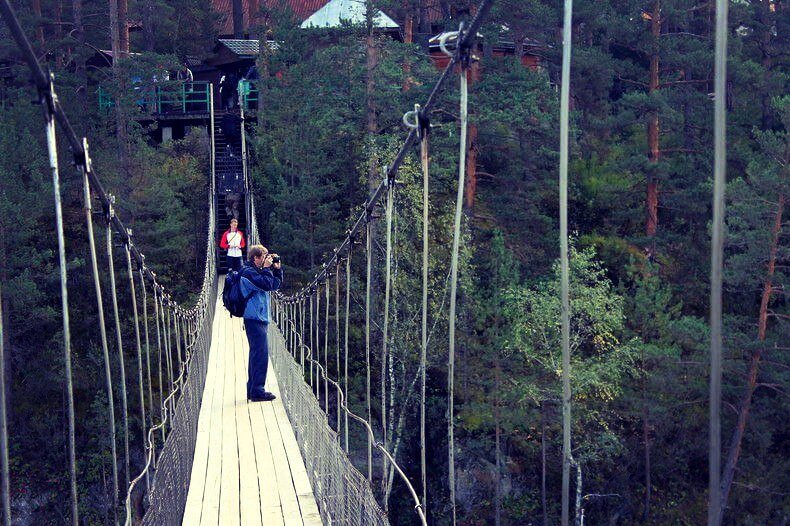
301	8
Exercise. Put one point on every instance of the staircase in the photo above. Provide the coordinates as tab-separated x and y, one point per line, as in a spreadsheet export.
229	171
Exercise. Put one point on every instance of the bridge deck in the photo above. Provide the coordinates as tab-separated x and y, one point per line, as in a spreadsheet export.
247	467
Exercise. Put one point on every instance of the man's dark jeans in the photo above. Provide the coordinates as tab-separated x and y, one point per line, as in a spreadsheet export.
259	357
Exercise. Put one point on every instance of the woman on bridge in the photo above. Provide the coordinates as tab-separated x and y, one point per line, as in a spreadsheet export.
233	241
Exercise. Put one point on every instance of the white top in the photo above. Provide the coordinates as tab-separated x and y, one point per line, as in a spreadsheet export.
234	244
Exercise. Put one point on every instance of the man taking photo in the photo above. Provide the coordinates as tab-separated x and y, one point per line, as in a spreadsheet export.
261	274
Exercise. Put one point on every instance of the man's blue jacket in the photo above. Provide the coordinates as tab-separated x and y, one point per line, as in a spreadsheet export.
257	283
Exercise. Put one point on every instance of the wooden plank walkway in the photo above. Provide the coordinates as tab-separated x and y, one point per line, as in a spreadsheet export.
247	468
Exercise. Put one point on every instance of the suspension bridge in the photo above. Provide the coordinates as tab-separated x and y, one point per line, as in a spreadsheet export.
212	457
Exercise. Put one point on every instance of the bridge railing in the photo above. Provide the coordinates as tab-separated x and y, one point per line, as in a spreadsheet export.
248	92
343	494
170	98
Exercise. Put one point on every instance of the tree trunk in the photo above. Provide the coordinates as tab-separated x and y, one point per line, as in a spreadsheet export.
79	60
238	19
425	22
148	25
123	27
471	168
115	34
371	56
36	5
120	120
408	38
751	382
58	30
764	17
653	128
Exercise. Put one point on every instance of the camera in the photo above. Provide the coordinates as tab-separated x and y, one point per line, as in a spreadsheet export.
275	259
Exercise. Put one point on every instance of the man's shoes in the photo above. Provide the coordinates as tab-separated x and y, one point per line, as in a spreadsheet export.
265	397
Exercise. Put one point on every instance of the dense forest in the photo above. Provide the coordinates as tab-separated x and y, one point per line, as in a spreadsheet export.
330	119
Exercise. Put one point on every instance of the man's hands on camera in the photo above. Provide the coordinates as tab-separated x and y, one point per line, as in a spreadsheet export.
271	260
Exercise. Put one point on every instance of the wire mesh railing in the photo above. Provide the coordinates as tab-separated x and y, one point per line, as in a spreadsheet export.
343	494
168	493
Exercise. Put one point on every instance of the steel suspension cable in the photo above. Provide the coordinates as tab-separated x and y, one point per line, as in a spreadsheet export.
326	348
177	338
311	340
422	125
715	503
424	130
318	338
166	340
301	331
6	484
337	339
119	343
385	327
86	195
345	338
139	347
369	256
147	350
564	278
159	360
47	99
454	286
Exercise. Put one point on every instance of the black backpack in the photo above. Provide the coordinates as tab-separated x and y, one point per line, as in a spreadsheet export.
232	297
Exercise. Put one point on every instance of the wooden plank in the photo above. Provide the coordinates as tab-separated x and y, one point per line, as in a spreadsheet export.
197	481
270	497
285	485
229	512
210	505
247	467
250	495
304	491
